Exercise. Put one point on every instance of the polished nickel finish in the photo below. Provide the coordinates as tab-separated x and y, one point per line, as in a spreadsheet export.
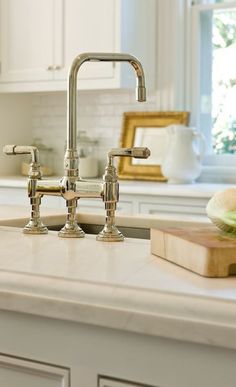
35	225
24	150
110	233
71	165
71	187
71	228
71	157
136	152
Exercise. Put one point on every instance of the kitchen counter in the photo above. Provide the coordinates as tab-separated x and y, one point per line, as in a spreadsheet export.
116	285
71	308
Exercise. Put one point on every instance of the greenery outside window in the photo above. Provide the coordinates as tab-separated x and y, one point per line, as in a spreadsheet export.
213	76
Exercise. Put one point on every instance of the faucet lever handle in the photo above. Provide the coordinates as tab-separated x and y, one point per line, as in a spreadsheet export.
111	191
22	150
136	152
35	225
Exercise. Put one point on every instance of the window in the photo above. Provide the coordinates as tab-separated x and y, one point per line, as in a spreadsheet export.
186	51
212	79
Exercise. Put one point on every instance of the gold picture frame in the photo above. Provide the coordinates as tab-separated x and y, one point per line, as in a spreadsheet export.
133	121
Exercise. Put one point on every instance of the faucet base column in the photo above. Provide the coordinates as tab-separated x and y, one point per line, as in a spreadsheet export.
35	225
110	232
71	228
71	231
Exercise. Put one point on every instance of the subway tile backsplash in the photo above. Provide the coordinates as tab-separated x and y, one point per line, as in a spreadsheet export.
99	113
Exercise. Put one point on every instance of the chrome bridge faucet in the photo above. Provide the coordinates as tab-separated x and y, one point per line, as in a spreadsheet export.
71	187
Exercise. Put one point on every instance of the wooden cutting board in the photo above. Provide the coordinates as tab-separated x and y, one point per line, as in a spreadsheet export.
202	250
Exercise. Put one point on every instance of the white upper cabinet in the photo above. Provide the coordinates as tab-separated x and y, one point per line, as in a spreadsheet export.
26	40
39	40
85	26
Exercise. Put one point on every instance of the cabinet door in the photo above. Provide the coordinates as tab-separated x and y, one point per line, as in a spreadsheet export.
97	206
15	372
88	26
26	40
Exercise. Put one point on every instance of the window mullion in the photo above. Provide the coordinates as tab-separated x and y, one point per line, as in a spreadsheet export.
205	5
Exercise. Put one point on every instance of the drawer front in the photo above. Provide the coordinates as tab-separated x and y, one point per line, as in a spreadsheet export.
14	196
153	209
91	206
106	381
170	205
124	207
16	372
19	196
97	206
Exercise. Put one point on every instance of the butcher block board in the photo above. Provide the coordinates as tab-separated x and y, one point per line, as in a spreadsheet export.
202	250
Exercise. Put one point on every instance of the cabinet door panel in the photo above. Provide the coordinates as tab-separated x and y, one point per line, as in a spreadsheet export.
97	206
26	39
89	26
14	196
16	373
172	205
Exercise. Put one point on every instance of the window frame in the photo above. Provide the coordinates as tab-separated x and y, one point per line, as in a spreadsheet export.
217	163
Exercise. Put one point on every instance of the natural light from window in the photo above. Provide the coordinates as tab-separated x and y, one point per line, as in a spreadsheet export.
224	81
215	86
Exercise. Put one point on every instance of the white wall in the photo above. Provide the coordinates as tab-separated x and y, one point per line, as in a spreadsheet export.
15	128
99	114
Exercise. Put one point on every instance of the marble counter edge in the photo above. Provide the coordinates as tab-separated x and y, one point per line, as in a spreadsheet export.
177	316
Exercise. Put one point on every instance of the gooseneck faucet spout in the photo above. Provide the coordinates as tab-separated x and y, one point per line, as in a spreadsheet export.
71	156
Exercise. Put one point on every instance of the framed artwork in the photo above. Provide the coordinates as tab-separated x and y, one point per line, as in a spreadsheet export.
147	129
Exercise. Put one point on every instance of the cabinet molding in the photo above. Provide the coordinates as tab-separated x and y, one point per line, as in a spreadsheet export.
15	372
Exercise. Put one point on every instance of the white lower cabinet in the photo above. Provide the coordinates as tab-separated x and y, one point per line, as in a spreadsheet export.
172	205
19	196
14	196
128	203
15	372
106	381
97	206
69	354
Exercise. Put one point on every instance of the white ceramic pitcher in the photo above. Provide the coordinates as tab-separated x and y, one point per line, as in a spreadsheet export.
182	164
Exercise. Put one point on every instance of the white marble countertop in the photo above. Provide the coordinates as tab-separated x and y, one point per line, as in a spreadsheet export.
205	190
116	285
